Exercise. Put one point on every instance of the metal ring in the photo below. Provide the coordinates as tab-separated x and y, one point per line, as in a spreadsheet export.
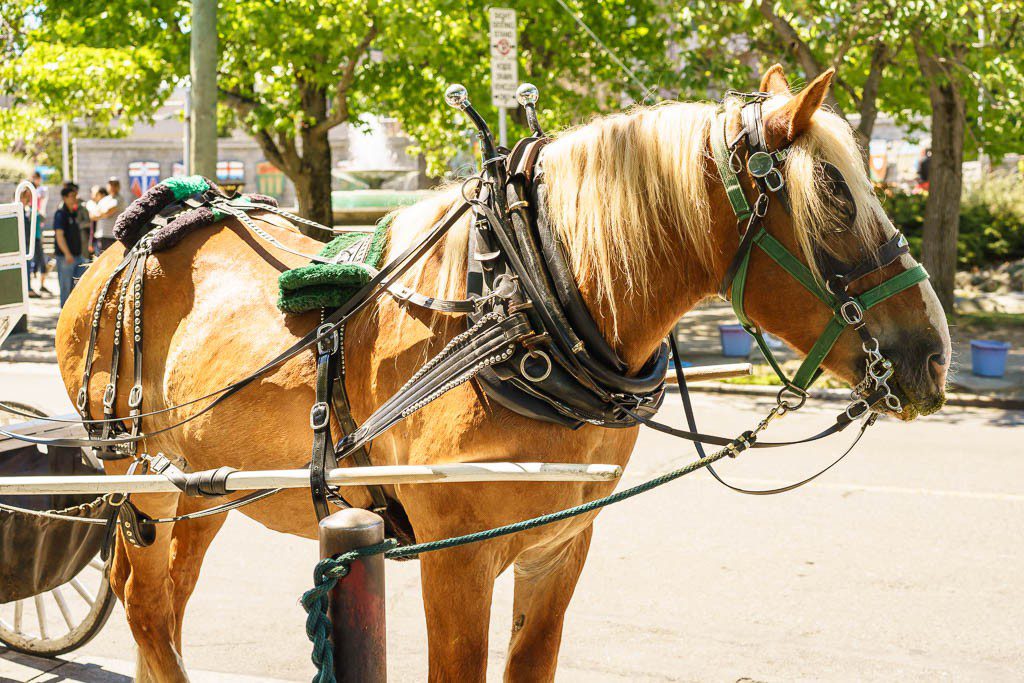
858	403
465	184
735	165
761	205
108	397
135	396
538	378
327	342
895	403
794	391
319	415
874	351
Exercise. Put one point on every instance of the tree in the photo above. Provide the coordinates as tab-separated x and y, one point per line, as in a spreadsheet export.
293	70
733	42
971	59
957	63
96	87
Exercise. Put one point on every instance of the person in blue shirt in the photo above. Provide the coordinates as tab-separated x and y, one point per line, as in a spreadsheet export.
68	235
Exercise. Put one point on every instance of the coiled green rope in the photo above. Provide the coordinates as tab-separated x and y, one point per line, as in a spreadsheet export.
329	571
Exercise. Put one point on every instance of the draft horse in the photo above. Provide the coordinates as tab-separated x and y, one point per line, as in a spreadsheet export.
648	229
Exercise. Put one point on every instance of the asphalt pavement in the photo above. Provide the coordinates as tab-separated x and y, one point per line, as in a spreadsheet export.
903	563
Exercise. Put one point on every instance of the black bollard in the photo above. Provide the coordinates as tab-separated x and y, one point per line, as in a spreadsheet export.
356	605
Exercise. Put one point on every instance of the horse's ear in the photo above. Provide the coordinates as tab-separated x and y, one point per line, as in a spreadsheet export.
793	119
774	81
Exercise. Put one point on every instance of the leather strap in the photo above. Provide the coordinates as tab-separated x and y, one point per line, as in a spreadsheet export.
343	413
365	296
320	420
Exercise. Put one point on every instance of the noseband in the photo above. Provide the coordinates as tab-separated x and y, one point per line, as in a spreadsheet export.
764	167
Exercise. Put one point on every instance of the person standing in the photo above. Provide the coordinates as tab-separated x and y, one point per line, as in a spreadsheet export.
68	236
34	236
41	195
109	208
924	171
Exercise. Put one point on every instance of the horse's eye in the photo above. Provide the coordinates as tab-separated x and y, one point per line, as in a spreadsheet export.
839	194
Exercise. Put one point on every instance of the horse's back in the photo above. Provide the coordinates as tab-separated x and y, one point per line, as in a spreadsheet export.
209	318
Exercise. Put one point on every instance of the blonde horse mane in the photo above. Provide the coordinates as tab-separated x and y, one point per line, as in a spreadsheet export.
623	186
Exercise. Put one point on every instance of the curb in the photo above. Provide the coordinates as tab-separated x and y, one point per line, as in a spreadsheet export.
843	395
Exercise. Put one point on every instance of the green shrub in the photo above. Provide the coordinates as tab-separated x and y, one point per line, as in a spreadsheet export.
991	219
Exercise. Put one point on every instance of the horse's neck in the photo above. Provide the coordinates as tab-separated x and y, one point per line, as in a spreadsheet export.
677	282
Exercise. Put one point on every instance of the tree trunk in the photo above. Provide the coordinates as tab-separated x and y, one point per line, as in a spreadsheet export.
942	211
313	181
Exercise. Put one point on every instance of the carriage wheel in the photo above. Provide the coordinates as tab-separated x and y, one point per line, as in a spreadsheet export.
65	618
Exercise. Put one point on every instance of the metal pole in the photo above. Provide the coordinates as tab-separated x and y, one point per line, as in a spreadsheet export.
65	146
356	605
502	127
186	142
203	65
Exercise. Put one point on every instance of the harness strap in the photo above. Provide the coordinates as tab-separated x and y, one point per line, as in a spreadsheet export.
343	413
320	420
733	188
368	294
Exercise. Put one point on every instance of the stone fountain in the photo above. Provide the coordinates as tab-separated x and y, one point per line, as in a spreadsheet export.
377	178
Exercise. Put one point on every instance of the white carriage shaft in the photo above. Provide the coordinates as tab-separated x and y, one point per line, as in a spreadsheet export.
504	50
452	473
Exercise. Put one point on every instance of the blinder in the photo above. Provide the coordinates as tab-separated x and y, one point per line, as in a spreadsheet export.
765	169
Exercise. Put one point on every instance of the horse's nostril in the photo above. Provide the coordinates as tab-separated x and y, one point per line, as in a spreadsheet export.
937	367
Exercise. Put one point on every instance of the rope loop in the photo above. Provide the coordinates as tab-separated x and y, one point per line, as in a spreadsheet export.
326	575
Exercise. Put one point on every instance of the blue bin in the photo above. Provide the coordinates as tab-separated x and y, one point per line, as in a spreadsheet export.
988	358
736	342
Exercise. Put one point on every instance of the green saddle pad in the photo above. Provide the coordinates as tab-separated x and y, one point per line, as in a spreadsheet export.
329	285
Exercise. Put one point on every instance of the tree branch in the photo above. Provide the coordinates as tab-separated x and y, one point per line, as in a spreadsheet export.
808	62
282	152
340	112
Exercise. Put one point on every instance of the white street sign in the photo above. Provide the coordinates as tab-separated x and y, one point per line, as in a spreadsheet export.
504	67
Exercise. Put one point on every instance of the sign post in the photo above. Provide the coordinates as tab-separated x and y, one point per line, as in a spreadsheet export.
504	66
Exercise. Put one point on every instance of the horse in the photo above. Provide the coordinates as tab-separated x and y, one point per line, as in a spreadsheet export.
648	229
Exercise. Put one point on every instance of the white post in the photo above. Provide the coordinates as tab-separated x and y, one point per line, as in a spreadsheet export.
502	127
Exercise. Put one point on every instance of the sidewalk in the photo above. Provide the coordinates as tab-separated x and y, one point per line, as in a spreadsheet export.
700	344
37	345
698	339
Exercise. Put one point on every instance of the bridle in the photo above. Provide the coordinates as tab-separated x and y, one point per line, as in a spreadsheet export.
764	167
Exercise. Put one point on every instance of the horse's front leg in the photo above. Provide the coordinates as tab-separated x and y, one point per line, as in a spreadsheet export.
457	591
190	540
545	580
140	578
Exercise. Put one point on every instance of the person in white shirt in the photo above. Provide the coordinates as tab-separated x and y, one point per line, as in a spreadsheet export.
107	210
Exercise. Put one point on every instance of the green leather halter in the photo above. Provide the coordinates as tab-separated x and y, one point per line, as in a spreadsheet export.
847	310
